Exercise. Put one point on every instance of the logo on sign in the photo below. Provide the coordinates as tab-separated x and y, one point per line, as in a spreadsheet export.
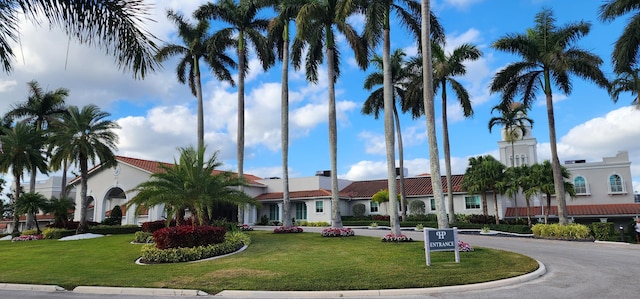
441	234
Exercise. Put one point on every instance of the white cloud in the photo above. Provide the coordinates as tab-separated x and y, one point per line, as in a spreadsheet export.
374	144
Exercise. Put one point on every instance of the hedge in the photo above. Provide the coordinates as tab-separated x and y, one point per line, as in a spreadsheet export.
188	236
114	230
234	241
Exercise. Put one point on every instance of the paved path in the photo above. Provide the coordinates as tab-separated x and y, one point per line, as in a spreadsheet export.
573	270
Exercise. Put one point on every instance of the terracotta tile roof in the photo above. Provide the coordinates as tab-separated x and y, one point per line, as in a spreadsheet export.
298	194
154	167
414	186
582	210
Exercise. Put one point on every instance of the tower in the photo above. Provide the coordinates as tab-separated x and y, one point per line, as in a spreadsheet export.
517	147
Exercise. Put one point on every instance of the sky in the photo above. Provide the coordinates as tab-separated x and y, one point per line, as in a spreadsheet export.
157	115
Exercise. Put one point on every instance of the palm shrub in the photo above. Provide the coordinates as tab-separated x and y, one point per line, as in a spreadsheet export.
417	207
359	210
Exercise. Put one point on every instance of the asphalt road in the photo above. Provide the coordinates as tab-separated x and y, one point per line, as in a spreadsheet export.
573	270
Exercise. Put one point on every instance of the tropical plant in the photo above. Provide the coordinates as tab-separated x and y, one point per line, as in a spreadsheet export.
625	51
21	149
114	26
32	203
627	81
278	37
192	183
85	135
245	28
316	26
378	24
198	44
60	208
445	68
549	55
483	175
542	175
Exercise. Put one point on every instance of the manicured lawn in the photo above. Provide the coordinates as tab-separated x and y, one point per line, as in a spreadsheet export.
303	261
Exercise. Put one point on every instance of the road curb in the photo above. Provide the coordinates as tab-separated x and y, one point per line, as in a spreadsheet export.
30	287
138	291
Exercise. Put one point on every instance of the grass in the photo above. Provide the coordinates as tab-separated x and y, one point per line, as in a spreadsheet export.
278	262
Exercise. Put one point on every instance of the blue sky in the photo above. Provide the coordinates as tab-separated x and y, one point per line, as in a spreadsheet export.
157	114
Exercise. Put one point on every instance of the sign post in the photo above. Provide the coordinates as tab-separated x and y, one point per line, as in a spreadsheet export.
441	240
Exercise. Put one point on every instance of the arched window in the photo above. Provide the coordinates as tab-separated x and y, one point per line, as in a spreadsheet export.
580	184
615	184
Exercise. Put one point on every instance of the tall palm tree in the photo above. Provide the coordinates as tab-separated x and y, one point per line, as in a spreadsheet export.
445	68
549	55
246	28
21	149
484	174
317	24
279	37
625	51
427	80
114	26
32	203
87	136
541	175
378	24
197	44
627	81
375	102
192	182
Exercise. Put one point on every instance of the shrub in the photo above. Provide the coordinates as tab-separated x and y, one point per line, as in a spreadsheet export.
245	227
56	233
566	232
337	232
417	207
26	238
28	232
228	225
142	237
602	231
424	218
314	224
233	242
264	220
396	238
71	224
359	210
482	219
287	229
188	236
114	230
152	226
381	217
115	218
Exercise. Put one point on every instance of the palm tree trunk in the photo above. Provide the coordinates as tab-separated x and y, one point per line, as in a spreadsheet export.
526	199
63	184
495	200
241	70
84	176
447	153
284	121
16	195
32	188
548	209
196	68
558	181
403	193
436	182
485	210
389	132
336	219
515	197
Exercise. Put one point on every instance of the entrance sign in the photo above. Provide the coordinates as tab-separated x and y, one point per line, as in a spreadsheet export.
441	240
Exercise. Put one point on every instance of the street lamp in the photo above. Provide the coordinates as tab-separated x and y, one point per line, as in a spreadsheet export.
621	228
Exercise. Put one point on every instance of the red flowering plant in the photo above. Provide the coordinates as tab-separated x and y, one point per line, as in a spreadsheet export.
464	246
287	229
396	238
26	238
337	232
245	227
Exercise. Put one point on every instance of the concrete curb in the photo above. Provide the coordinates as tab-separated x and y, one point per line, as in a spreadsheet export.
138	291
30	287
389	292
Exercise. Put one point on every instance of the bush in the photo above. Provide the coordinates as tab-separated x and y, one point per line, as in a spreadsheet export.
314	224
482	219
115	218
396	238
29	232
71	224
229	226
26	238
337	232
417	207
380	217
423	218
264	220
152	226
287	229
188	236
564	232
114	230
233	242
602	231
142	237
359	210
57	233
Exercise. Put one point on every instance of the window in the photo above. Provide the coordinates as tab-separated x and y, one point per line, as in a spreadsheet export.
301	210
274	212
319	206
580	184
374	207
615	184
432	202
472	202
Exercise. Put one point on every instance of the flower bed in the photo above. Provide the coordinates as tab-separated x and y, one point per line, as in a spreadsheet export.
245	227
337	232
287	229
464	246
27	238
396	238
234	241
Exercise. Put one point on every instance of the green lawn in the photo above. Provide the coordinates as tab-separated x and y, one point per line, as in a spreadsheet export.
304	261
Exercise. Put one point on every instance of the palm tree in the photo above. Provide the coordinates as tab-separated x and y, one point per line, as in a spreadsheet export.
21	149
427	80
627	81
526	182
445	68
541	175
114	26
198	44
375	102
86	136
484	174
378	22
191	183
279	37
316	26
60	207
510	185
245	28
549	54
625	52
32	203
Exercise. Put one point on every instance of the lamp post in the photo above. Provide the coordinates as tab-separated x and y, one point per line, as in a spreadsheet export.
621	228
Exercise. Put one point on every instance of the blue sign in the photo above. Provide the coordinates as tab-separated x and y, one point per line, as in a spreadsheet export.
441	240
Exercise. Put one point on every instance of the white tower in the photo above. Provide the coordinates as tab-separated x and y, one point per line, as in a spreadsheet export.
517	148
